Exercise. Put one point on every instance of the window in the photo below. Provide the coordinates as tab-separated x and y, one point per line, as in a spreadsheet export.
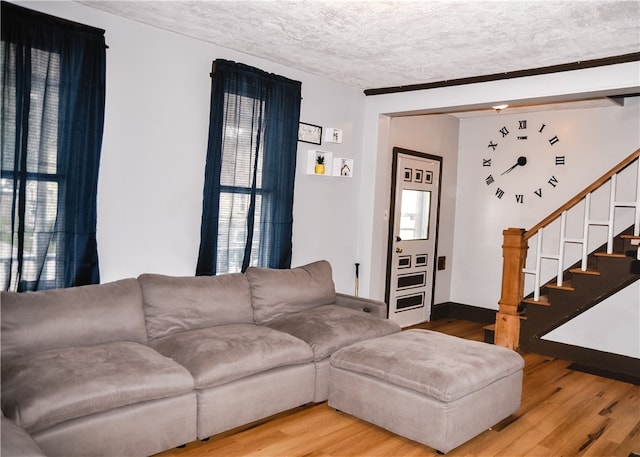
52	105
35	179
239	158
249	177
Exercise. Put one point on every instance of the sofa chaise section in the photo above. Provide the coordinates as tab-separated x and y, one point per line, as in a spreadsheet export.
302	302
78	376
242	372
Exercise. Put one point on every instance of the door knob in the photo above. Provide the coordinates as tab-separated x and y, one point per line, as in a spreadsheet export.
399	250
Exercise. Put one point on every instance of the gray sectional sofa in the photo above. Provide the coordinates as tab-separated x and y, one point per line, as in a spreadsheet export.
138	366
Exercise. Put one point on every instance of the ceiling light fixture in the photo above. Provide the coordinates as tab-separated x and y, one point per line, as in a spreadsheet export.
499	108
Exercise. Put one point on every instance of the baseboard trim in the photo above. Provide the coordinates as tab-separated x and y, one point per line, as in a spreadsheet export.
460	311
606	362
628	378
439	311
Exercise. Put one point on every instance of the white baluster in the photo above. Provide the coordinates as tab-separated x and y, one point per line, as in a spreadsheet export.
612	209
585	233
563	227
536	285
636	225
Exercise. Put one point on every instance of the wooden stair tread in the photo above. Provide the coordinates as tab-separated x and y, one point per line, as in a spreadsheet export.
613	255
588	271
630	237
542	301
566	285
489	332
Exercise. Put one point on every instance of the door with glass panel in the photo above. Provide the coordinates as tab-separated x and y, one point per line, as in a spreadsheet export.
413	229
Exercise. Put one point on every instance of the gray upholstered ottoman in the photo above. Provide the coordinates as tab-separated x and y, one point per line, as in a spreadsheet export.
433	388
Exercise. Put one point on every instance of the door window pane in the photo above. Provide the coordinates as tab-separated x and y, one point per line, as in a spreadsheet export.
414	214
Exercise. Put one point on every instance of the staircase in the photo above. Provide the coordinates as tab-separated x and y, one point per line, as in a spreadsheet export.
579	291
580	256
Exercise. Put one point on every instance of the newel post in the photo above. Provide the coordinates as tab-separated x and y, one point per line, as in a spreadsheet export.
514	253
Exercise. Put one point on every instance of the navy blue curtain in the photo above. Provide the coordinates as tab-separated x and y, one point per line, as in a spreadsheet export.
53	95
250	170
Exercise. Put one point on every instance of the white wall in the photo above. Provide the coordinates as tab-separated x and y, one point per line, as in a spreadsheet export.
325	215
154	150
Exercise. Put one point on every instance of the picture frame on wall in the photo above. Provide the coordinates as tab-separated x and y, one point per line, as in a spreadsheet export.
309	133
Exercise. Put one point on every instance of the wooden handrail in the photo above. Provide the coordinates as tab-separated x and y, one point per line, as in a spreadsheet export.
575	200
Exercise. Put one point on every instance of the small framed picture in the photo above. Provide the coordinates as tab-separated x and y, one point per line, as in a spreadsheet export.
309	133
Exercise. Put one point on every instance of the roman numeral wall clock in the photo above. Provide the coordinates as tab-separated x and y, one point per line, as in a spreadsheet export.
522	162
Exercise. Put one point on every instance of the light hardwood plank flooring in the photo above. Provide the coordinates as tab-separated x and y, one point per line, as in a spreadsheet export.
563	413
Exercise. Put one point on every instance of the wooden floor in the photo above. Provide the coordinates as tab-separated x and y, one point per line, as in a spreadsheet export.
563	413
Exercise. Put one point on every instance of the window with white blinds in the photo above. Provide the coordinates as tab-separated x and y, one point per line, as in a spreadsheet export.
30	180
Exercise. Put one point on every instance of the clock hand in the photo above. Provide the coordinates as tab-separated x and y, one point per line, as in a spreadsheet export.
509	169
522	161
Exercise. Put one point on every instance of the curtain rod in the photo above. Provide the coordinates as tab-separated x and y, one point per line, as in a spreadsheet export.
53	19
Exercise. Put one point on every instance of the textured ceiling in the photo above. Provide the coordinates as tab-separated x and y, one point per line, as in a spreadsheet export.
377	44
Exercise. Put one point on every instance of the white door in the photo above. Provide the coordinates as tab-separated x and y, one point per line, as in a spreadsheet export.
413	229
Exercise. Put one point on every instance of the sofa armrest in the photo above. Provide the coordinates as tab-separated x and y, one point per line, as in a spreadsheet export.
374	307
16	442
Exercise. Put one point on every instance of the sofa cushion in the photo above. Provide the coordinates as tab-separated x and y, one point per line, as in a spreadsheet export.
45	388
77	316
329	328
222	354
175	304
277	292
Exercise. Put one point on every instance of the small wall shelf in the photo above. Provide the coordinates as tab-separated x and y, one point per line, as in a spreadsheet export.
343	167
312	160
338	166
